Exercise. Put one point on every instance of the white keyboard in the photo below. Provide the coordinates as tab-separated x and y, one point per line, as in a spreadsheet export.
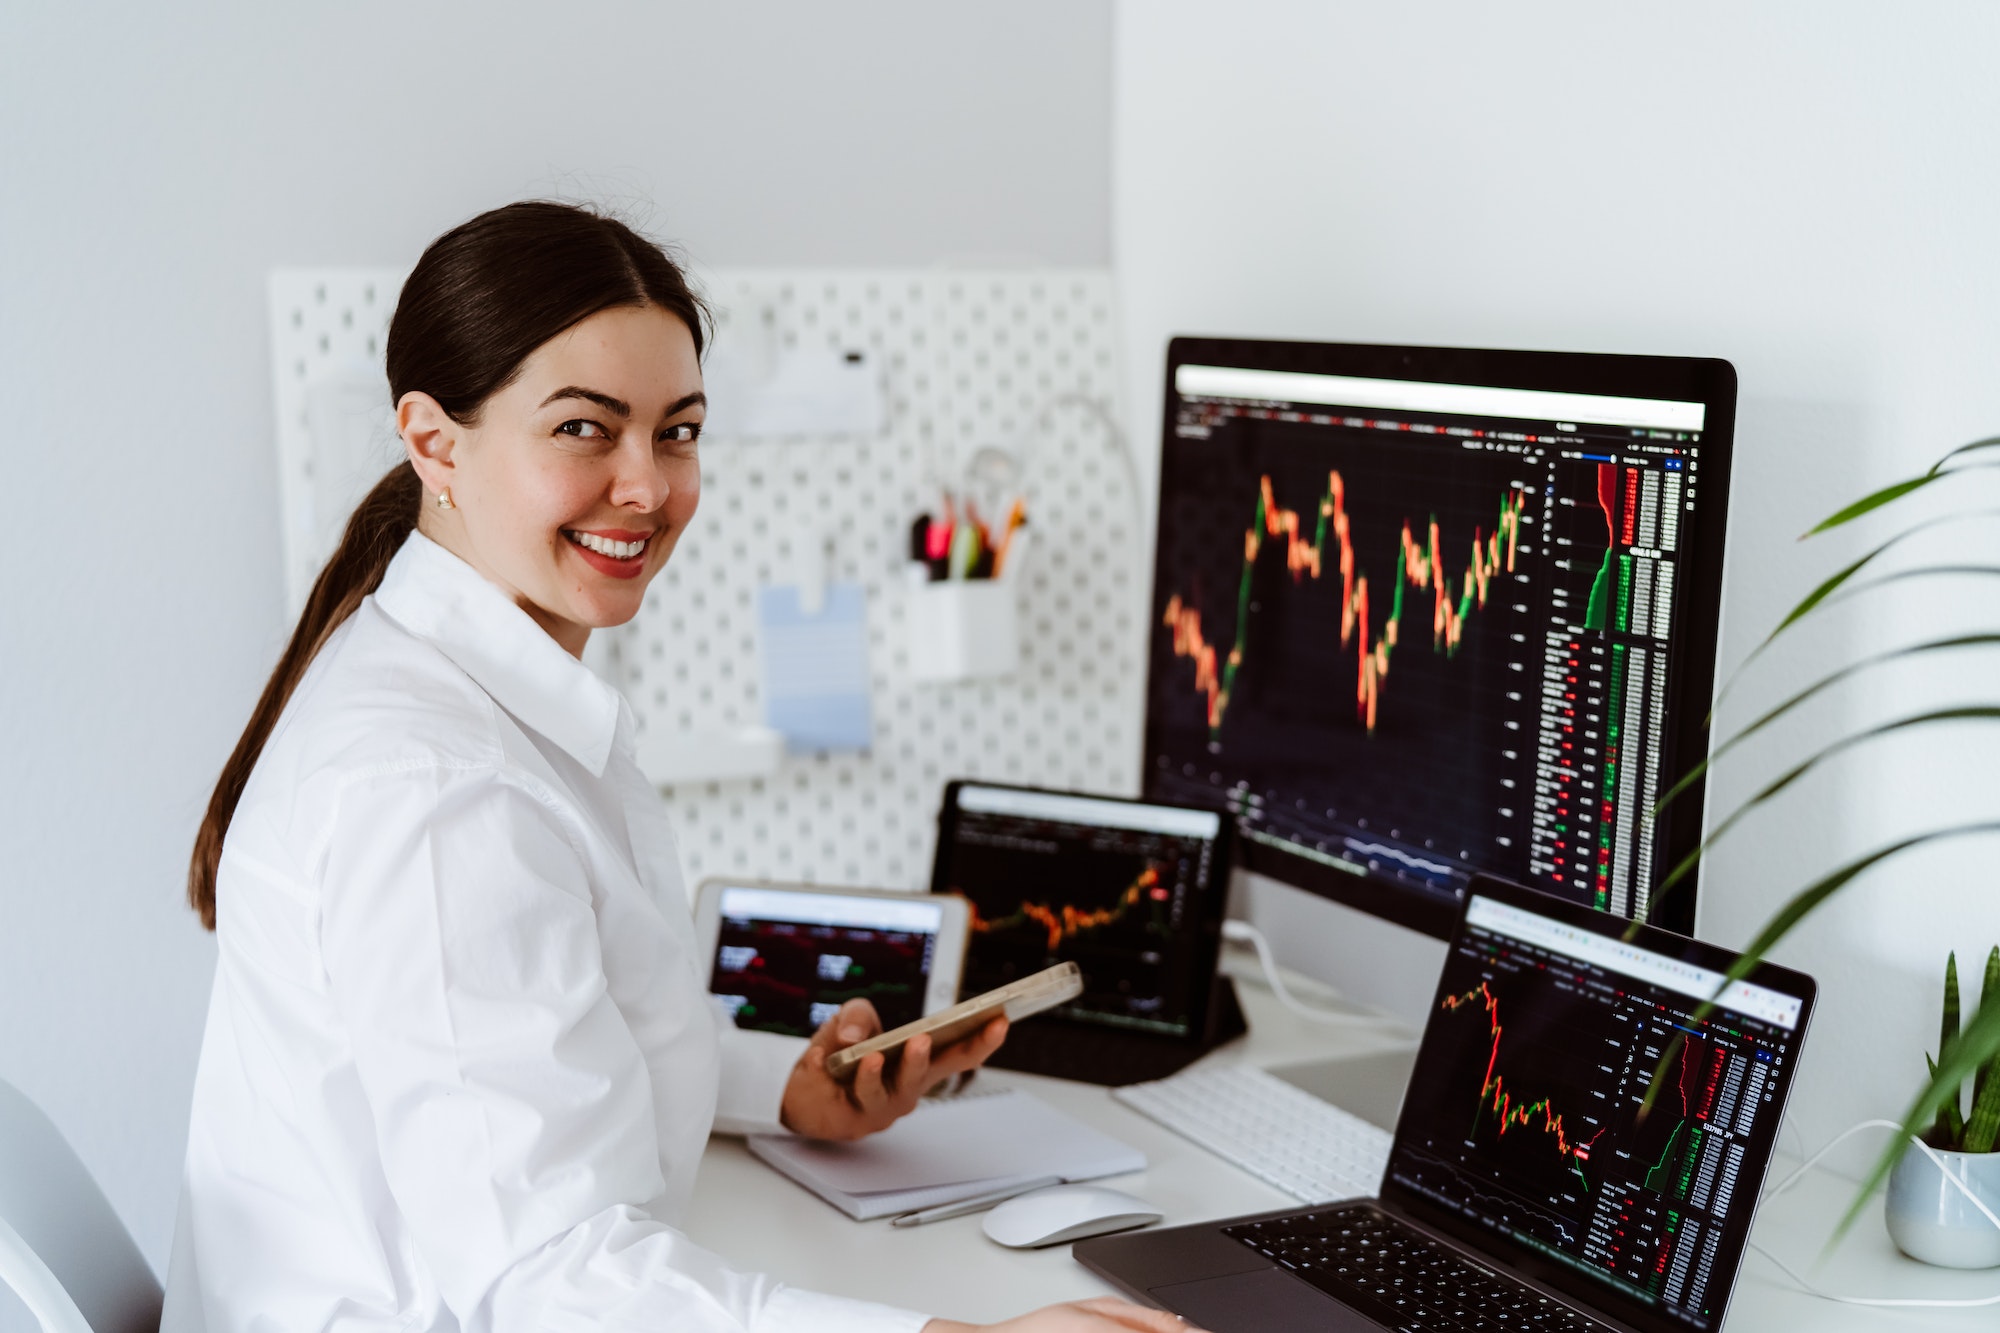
1281	1134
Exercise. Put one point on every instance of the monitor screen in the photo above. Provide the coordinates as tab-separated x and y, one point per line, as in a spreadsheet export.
1130	892
1454	614
1526	1115
785	961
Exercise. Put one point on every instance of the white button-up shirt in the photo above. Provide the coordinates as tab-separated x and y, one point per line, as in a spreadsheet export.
459	1064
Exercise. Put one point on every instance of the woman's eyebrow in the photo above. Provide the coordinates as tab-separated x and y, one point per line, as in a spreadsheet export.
684	402
618	406
615	406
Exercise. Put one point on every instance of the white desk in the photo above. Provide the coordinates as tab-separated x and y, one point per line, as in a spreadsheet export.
761	1221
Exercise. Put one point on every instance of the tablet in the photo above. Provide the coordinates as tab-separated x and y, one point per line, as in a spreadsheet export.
1130	891
784	957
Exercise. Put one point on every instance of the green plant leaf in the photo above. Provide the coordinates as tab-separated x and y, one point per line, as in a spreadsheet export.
1966	713
1979	1042
1694	775
1989	993
1868	504
1833	583
1990	442
1982	1127
1897	490
1861	586
1949	1124
1797	908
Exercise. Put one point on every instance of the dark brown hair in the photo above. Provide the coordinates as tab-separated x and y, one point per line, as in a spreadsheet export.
483	297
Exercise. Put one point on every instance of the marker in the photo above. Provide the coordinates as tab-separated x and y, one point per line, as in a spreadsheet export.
964	550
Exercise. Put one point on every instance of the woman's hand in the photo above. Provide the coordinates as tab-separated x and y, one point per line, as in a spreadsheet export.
1103	1315
820	1108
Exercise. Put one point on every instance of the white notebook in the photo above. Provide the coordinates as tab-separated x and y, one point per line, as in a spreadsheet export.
949	1150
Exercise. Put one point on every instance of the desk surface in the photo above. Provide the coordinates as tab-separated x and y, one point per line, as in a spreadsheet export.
762	1222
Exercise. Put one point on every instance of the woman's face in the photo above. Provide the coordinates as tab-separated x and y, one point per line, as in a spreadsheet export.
575	482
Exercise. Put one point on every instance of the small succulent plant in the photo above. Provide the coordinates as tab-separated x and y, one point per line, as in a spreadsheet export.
1955	1131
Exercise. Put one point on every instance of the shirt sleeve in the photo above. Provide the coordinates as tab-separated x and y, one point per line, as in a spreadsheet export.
512	1106
755	1068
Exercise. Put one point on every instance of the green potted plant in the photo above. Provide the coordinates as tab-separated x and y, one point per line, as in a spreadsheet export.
1943	1203
1977	1046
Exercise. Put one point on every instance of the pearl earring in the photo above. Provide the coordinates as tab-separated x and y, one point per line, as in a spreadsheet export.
444	499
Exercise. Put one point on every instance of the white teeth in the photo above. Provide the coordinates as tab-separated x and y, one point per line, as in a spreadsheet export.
616	550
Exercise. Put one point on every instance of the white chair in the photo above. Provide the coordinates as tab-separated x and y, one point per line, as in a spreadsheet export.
62	1250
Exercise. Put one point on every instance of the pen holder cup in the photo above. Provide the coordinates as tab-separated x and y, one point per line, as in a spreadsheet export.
963	630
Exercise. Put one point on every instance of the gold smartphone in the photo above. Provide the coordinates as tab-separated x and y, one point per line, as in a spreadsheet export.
1017	999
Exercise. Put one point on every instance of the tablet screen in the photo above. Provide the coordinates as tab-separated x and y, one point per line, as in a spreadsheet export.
786	960
1127	890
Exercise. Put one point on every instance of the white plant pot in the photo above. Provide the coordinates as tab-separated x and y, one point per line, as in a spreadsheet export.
1931	1219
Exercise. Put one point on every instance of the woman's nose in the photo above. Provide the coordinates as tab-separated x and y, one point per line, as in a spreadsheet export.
641	481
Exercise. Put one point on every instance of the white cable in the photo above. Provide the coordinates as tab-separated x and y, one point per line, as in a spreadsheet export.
1242	932
1911	1301
1774	1191
1128	463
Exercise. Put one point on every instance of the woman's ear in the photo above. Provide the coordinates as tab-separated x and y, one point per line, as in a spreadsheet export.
429	436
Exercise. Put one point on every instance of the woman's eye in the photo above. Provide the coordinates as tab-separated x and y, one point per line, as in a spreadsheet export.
583	429
685	433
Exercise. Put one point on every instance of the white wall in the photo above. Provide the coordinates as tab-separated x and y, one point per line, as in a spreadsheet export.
158	160
1806	189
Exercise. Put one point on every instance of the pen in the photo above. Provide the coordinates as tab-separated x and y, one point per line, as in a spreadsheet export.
1012	551
972	1205
1017	518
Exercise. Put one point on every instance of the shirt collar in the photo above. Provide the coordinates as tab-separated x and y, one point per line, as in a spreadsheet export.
449	604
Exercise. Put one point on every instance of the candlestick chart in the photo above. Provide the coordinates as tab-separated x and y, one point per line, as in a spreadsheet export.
1114	901
1419	564
1409	654
1528	1106
1501	1110
1065	921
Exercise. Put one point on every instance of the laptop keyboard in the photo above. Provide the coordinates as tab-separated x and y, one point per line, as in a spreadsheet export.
1402	1278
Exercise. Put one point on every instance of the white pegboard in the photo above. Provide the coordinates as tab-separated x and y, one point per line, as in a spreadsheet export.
328	327
1018	359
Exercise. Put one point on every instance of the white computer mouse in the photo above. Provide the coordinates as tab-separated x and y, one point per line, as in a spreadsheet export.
1060	1213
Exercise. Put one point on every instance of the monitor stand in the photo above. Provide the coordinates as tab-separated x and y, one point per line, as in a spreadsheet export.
1366	960
1370	1086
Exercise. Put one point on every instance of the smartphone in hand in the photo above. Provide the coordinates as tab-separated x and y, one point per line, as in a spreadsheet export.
1017	1000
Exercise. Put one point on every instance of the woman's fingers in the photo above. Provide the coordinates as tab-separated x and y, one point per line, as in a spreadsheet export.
857	1021
970	1053
869	1093
914	1074
1124	1314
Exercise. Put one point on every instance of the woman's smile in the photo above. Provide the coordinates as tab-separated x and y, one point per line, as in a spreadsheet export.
618	552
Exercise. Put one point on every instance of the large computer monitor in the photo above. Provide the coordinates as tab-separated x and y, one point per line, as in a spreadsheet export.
1425	612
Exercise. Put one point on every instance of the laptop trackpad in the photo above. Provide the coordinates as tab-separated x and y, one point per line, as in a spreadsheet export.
1269	1300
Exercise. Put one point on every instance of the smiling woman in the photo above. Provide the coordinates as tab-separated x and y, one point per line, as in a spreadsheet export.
571	486
489	300
460	1062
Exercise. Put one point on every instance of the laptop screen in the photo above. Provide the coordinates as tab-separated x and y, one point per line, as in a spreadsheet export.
1129	891
1523	1116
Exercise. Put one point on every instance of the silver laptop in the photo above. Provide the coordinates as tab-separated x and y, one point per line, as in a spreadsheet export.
1528	1188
